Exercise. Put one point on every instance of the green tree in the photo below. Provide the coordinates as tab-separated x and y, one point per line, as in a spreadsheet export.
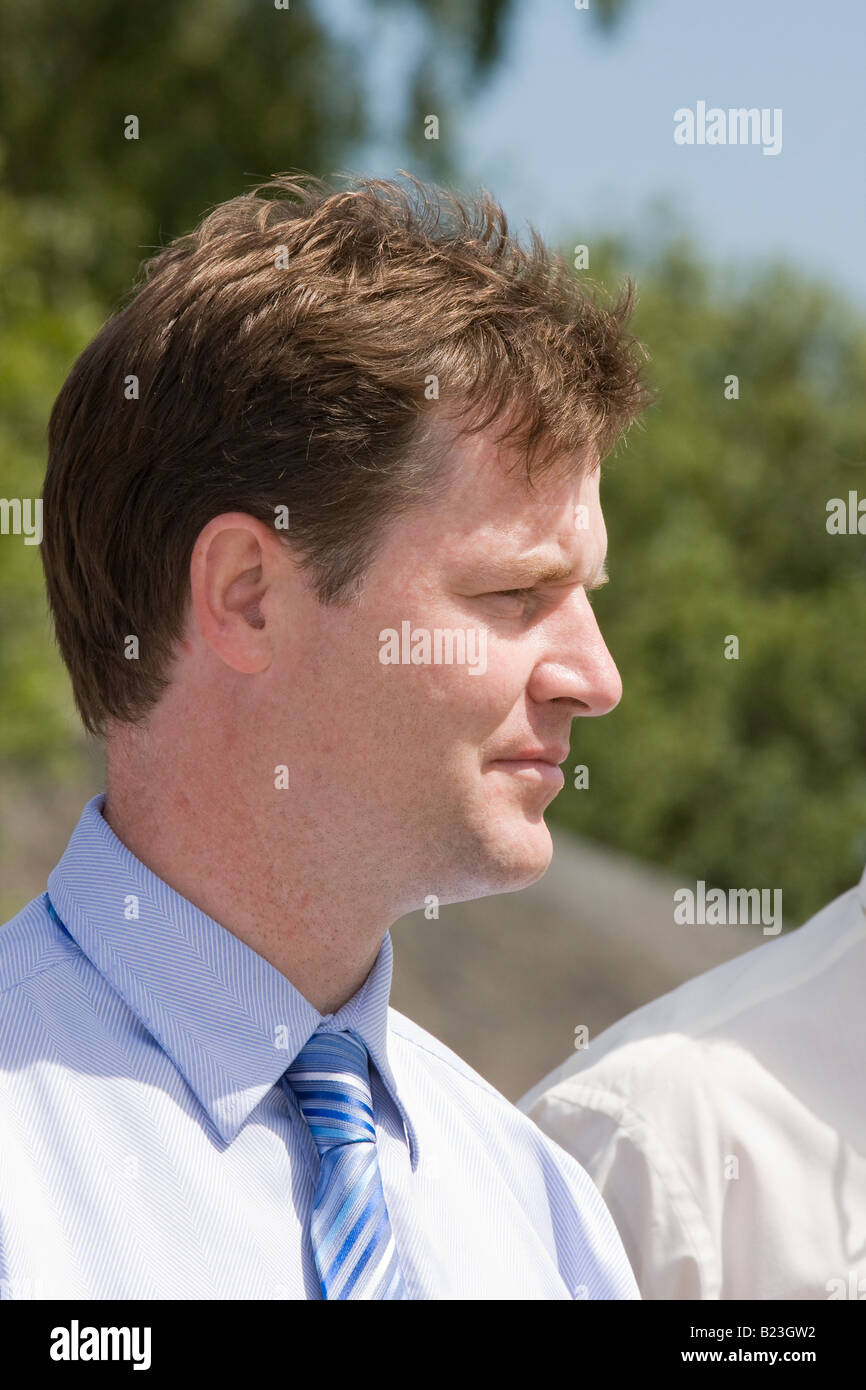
748	772
227	92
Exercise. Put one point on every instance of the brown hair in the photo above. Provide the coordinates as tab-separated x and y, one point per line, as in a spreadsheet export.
288	354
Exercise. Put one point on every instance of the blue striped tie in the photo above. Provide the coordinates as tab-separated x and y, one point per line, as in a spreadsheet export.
351	1232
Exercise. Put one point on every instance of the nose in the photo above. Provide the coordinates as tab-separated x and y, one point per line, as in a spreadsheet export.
576	664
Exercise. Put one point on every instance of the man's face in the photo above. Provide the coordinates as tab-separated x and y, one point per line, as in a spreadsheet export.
439	773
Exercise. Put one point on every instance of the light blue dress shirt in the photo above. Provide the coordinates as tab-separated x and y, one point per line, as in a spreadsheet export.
147	1151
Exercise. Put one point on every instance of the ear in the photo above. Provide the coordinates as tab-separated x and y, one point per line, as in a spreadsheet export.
232	573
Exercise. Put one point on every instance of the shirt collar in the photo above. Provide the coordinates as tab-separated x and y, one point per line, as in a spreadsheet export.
229	1020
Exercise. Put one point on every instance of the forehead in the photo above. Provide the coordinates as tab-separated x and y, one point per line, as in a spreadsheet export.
489	502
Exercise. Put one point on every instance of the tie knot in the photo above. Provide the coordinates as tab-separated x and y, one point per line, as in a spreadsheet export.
330	1078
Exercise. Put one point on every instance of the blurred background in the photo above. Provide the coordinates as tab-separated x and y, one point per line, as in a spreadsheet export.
743	773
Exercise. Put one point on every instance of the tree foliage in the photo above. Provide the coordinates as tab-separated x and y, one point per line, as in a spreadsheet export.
747	772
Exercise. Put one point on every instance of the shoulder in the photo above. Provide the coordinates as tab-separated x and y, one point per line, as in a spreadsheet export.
438	1058
704	1031
450	1081
530	1157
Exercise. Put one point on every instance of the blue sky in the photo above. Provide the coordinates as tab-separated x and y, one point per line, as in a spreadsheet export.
575	130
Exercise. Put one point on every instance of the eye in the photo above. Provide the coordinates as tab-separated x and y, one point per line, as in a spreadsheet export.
517	602
531	599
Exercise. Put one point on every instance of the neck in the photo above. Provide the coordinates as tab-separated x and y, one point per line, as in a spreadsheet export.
281	884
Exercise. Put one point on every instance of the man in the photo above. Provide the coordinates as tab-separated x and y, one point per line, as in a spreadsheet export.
334	638
724	1123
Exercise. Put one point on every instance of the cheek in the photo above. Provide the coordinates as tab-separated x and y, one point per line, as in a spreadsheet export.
471	700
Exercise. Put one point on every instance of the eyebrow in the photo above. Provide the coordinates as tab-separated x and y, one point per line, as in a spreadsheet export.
530	573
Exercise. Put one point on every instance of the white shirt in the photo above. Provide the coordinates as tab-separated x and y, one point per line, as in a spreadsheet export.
725	1123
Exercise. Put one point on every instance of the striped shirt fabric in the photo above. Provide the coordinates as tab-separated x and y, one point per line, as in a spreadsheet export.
148	1149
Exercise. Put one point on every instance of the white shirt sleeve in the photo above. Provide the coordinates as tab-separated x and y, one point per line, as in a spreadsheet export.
658	1217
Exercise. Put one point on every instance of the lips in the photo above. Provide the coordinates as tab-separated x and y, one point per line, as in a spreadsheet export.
554	756
536	766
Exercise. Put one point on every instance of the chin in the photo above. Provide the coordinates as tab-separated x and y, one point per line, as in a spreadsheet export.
532	860
518	855
486	854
